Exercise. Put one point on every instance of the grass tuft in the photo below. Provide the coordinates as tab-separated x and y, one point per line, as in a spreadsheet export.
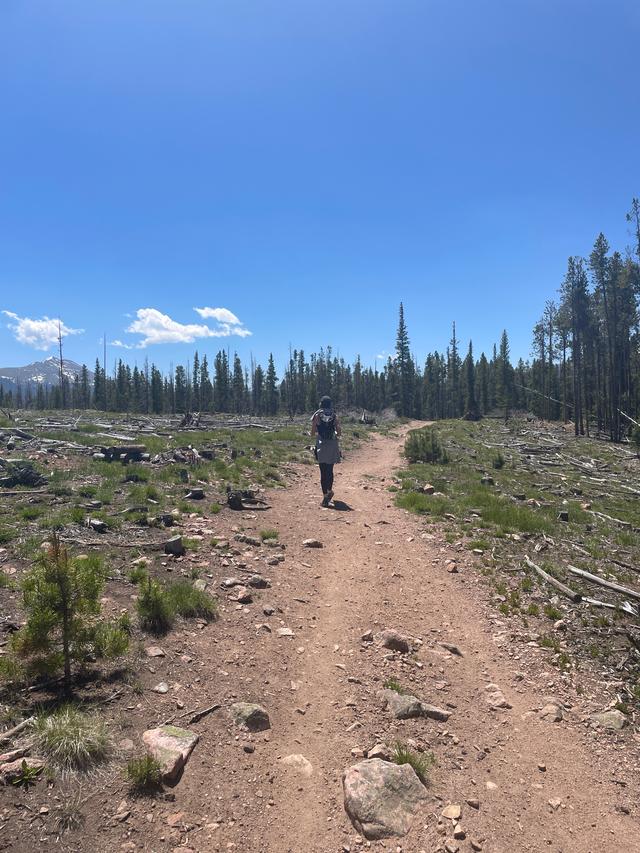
144	775
421	762
71	740
189	602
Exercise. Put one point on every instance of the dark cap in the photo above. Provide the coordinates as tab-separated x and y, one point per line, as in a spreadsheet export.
325	402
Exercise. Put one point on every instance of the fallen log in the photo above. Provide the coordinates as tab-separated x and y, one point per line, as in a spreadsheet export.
576	597
616	587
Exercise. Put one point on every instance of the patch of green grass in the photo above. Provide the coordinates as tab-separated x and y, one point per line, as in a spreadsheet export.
72	740
479	544
5	581
392	684
144	775
6	535
30	513
189	602
269	534
533	610
420	761
552	612
214	509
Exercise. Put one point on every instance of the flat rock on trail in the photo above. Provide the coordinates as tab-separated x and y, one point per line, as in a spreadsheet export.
539	785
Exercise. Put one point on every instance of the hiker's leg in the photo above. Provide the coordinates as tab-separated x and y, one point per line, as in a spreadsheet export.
330	478
325	477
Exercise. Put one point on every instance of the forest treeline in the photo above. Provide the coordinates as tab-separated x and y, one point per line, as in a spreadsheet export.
584	367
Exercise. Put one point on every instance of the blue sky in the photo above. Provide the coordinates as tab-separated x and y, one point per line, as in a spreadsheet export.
295	169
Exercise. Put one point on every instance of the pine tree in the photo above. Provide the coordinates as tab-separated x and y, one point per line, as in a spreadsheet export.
472	410
270	390
62	603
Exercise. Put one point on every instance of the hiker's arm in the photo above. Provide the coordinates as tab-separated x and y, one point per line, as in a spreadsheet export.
338	427
314	426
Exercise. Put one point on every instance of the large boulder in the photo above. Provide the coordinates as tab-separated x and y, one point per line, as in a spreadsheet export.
250	716
381	798
171	746
404	706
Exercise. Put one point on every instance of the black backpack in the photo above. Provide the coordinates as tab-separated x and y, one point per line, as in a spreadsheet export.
326	425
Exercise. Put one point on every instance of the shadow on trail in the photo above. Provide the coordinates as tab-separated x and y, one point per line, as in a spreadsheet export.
341	506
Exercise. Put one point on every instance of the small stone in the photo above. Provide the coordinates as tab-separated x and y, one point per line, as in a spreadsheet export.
381	751
551	712
200	585
391	639
285	632
299	764
97	525
250	716
459	834
155	652
555	804
161	688
542	767
367	637
312	543
452	812
473	803
404	706
563	515
243	595
453	649
475	845
428	489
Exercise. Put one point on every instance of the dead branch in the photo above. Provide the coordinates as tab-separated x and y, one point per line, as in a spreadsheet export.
616	587
576	597
7	736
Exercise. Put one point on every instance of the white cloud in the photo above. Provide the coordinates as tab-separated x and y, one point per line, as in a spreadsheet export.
41	334
222	315
158	328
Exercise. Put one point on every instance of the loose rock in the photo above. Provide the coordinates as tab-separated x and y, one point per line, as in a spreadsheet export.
613	720
171	747
299	764
381	798
250	716
391	639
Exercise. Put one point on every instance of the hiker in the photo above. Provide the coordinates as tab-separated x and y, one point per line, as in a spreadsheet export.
326	427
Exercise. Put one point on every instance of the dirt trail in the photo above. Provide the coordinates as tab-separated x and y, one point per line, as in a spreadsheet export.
323	691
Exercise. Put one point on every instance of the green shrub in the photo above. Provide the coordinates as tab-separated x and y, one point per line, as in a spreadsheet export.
214	509
155	610
144	774
138	574
189	602
110	639
423	445
71	740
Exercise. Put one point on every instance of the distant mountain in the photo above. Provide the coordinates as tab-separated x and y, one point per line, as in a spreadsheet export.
45	372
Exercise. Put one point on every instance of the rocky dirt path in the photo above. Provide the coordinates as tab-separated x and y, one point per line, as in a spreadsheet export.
541	786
